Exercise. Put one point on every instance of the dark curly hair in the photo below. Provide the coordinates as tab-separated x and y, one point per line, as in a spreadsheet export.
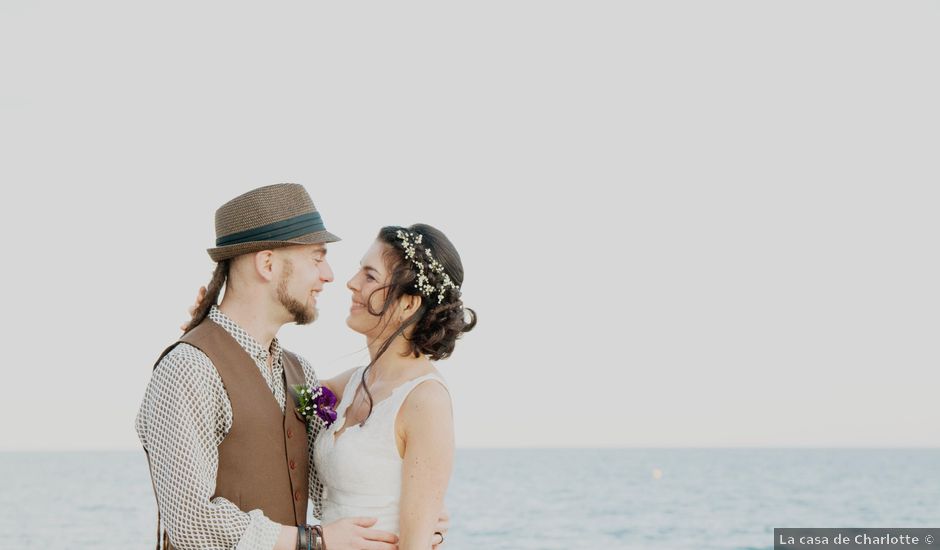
439	320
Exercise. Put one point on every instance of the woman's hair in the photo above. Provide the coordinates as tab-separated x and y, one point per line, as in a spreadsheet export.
441	318
219	279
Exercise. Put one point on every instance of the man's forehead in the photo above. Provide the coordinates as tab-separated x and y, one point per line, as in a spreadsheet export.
304	249
318	247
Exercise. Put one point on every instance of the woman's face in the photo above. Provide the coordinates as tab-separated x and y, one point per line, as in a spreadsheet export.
373	274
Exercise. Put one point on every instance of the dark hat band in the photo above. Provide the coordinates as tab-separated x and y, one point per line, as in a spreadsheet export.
278	231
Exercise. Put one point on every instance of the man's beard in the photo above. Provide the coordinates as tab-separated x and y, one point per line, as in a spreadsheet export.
296	308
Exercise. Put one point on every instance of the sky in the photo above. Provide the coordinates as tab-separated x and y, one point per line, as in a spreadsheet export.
683	224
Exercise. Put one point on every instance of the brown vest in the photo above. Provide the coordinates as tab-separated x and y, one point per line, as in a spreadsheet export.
263	458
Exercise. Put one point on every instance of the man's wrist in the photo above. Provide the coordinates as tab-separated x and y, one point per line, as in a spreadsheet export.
310	537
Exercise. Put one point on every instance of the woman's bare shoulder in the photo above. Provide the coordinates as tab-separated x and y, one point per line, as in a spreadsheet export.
429	399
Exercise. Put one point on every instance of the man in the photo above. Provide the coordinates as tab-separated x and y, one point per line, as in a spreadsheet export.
230	460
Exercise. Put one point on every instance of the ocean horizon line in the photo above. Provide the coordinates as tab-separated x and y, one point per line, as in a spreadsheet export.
567	448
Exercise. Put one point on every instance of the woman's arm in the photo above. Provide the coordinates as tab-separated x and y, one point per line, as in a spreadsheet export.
425	425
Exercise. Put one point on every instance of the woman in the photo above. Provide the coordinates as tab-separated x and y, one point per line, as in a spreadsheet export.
390	451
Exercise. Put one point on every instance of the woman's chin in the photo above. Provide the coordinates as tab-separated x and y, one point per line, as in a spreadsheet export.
351	323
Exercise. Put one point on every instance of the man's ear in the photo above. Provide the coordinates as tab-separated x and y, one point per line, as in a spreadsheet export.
264	264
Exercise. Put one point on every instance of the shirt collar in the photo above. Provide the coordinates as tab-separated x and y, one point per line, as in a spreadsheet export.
245	340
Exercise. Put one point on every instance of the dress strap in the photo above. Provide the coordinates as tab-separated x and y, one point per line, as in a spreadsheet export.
351	386
399	394
386	410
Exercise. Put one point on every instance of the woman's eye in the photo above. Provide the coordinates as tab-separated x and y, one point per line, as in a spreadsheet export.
370	278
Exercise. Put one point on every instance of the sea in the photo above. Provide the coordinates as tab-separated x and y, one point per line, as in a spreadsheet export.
522	499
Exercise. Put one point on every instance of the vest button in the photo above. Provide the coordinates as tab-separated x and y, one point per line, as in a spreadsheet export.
297	495
290	433
293	466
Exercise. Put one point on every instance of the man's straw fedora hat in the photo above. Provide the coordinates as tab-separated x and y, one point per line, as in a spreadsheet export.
266	218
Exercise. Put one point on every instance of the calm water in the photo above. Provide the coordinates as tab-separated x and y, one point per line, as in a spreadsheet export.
534	499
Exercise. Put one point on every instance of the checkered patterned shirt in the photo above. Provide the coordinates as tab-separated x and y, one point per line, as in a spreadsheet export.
184	416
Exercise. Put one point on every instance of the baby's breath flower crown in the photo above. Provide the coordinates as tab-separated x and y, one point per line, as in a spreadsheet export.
411	242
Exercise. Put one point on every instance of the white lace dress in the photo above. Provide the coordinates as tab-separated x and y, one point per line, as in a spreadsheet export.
361	470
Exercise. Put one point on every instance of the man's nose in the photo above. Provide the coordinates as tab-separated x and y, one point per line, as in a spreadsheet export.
326	272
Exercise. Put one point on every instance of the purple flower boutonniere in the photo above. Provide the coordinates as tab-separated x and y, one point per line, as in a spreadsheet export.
316	404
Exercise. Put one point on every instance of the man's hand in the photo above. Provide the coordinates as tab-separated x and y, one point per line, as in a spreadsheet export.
200	296
443	524
354	534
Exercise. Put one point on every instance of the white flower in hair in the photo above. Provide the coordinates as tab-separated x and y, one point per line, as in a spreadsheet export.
408	241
